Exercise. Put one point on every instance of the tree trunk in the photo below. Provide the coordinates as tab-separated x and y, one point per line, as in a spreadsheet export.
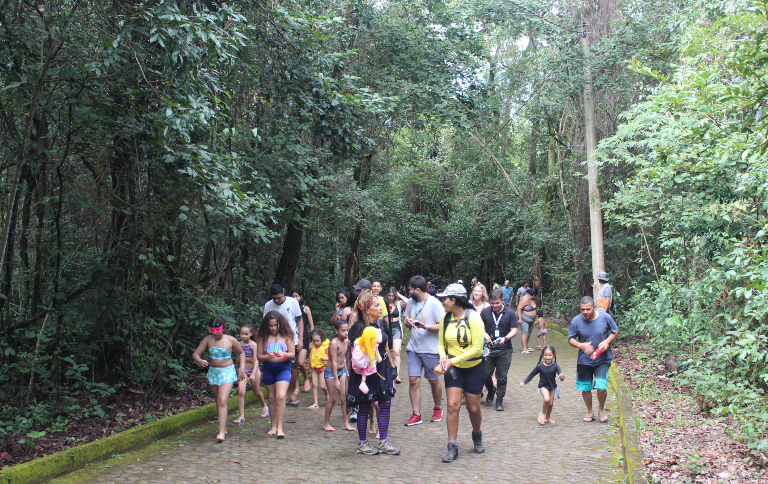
590	135
350	268
289	260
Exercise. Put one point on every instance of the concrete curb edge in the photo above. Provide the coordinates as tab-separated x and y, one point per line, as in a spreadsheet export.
634	468
75	458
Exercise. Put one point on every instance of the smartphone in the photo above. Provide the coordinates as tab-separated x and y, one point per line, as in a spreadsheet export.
443	364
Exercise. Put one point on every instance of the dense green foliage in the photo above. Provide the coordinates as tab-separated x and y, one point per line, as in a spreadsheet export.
161	162
698	196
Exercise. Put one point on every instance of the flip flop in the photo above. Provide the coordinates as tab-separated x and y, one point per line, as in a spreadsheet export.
306	386
313	406
265	413
330	430
588	419
293	403
604	421
280	436
240	421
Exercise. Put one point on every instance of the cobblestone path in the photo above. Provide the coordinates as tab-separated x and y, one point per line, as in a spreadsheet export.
518	449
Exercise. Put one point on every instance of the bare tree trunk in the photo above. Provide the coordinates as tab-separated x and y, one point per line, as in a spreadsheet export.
289	259
590	135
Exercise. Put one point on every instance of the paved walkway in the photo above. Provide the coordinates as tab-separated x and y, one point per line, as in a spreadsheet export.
518	449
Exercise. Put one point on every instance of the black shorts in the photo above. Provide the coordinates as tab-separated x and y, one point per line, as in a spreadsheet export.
470	379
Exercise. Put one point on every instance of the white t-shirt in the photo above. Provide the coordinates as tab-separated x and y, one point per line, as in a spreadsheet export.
290	309
429	312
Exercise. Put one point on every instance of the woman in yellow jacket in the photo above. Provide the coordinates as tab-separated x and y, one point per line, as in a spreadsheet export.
460	344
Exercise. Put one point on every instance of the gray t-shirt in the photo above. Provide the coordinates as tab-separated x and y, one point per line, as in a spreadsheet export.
290	309
429	312
604	293
594	332
522	291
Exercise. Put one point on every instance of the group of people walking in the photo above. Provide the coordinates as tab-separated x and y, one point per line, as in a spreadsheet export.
463	337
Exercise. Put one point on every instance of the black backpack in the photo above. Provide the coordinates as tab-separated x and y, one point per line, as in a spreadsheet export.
446	320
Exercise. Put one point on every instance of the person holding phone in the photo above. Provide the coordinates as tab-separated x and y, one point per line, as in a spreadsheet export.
422	314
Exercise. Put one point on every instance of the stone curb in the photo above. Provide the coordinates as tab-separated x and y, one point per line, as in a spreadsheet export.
634	468
75	458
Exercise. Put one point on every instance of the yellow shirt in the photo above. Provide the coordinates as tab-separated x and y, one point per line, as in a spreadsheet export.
464	338
383	303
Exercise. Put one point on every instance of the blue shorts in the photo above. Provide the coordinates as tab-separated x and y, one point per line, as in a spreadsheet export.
328	373
585	375
427	361
272	373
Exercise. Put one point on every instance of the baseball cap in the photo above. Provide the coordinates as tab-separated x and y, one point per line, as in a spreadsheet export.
363	284
603	276
454	290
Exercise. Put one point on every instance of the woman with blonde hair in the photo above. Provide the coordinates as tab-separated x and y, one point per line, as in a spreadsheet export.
479	297
380	385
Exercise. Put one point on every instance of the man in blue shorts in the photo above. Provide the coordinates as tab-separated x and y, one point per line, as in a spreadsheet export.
590	331
423	315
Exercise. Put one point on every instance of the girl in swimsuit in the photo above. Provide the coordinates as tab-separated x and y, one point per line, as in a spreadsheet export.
252	372
221	368
275	348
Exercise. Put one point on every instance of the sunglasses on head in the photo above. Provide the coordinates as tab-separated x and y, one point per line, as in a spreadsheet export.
216	330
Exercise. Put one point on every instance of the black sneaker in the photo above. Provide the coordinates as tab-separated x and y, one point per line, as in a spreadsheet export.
477	439
499	404
491	393
452	453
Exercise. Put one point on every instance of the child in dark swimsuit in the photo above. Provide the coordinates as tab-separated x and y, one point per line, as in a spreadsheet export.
247	331
549	371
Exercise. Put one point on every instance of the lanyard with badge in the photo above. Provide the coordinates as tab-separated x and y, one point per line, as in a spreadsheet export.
496	320
416	316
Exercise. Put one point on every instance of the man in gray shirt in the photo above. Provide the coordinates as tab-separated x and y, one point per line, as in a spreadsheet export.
604	293
521	291
423	314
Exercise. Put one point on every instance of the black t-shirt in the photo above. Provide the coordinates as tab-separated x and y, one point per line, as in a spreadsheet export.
507	320
547	375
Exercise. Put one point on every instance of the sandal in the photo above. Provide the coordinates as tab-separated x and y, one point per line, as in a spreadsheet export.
293	403
313	406
306	386
589	419
240	420
265	412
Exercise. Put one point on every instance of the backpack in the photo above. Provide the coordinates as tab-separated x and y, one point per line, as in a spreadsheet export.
446	320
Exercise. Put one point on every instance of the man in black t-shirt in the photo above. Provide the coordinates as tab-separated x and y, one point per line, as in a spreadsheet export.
500	326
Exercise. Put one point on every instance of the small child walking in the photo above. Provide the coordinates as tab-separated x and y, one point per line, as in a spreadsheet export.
549	371
336	375
318	360
252	373
542	323
221	369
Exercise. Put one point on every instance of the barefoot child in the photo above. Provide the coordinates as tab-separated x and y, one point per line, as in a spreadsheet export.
336	375
252	373
318	360
221	368
542	323
276	348
548	371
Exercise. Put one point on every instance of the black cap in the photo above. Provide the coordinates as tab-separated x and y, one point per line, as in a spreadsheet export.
363	284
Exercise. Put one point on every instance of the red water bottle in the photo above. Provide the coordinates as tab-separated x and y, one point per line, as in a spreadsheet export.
596	353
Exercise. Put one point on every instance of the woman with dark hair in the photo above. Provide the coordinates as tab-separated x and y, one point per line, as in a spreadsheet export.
526	314
460	343
395	308
343	307
309	326
381	388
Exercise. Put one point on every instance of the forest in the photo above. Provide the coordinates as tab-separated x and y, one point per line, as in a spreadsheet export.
165	161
